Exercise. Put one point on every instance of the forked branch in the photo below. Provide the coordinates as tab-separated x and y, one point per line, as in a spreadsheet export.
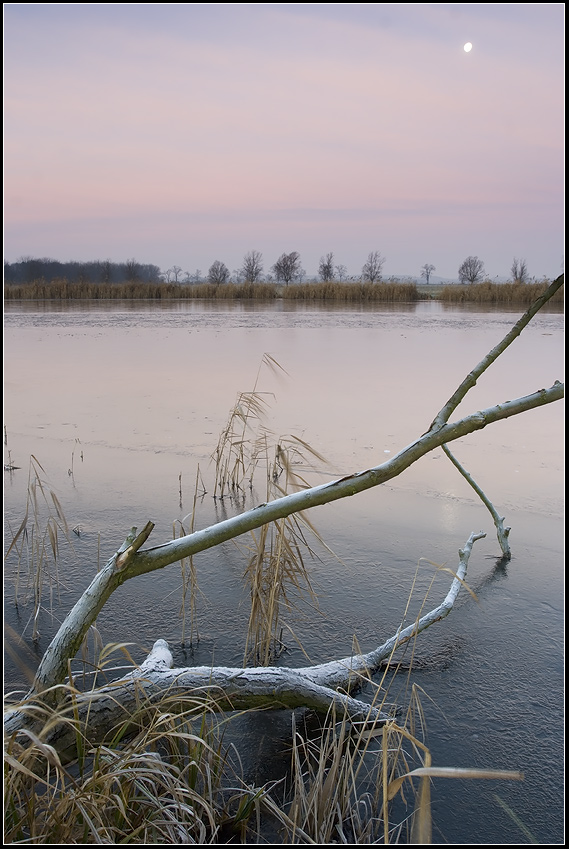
470	380
501	531
318	688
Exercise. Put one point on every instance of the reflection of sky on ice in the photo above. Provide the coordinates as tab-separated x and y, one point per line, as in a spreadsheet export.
362	385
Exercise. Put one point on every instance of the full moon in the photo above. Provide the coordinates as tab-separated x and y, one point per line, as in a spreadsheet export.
467	47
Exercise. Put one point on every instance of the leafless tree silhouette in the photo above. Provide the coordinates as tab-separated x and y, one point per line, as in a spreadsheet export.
371	271
471	270
218	272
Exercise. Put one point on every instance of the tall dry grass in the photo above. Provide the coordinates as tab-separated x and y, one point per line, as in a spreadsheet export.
171	780
389	291
168	780
35	546
522	294
277	572
165	775
278	569
62	289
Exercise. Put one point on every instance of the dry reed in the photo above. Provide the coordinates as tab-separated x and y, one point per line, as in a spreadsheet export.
167	781
277	573
519	294
62	289
190	589
36	544
389	291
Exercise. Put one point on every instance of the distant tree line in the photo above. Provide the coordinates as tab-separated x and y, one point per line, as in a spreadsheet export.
287	269
30	269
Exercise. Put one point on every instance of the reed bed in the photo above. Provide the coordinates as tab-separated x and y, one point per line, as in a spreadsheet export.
62	289
232	291
390	291
519	294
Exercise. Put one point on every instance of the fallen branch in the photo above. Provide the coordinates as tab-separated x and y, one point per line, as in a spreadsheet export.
502	532
470	380
65	644
100	712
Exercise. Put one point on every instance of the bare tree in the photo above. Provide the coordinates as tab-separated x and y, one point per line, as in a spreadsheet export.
519	271
371	271
426	271
132	270
341	273
252	268
106	271
218	273
326	268
471	270
287	267
174	273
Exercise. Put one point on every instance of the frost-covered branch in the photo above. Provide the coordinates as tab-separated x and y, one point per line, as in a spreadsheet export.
53	666
317	688
470	380
502	532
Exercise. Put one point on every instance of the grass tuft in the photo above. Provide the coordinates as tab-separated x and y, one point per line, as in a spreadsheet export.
35	545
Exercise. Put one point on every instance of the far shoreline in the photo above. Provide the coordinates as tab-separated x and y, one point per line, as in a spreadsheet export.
389	291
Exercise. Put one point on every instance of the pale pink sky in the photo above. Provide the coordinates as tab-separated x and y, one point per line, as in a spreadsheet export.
185	133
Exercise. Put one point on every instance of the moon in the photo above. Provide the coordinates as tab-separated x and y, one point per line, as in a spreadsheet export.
467	47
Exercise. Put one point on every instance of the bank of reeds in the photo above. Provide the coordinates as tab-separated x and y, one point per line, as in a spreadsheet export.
63	290
389	291
518	294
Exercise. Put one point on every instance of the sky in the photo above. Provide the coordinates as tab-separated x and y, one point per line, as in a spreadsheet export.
180	134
